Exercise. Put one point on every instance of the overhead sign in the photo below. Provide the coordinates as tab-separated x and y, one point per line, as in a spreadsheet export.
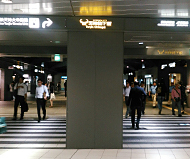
170	52
173	23
96	23
31	22
57	57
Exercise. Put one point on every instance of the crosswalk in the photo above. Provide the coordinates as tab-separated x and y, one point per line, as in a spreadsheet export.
157	132
48	134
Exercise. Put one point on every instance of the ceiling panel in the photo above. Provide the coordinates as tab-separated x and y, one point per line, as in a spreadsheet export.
129	8
37	7
175	40
33	38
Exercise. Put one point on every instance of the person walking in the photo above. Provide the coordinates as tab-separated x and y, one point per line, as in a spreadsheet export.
20	98
153	93
51	88
161	94
143	97
183	96
65	88
126	92
11	89
176	100
41	97
135	102
170	91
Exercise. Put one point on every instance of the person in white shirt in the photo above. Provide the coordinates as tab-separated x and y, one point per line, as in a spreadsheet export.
126	92
41	97
21	98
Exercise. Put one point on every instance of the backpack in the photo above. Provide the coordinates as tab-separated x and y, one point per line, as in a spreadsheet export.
159	90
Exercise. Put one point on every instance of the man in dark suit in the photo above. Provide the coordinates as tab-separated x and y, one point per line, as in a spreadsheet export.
135	102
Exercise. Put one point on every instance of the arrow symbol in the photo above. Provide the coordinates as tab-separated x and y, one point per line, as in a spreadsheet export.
47	23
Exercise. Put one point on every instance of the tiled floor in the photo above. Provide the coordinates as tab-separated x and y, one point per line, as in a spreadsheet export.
159	137
95	154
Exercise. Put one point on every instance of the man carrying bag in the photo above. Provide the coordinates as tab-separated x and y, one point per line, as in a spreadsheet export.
41	96
20	98
176	100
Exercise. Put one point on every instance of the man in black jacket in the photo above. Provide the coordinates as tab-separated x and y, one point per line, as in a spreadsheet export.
135	102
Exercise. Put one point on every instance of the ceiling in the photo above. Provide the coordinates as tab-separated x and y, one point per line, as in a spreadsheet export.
129	8
117	8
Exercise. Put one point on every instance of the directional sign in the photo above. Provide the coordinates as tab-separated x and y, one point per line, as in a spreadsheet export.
32	22
47	23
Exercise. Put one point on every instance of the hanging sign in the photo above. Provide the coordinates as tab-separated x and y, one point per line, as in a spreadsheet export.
96	23
27	22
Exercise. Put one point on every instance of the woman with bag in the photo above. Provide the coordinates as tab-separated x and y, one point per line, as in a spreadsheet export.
176	100
52	94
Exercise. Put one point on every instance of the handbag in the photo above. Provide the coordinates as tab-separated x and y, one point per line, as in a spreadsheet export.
15	92
52	96
25	107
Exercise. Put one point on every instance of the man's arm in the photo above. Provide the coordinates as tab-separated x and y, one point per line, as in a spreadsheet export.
25	92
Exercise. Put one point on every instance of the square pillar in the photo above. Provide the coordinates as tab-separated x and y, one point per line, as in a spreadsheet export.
95	103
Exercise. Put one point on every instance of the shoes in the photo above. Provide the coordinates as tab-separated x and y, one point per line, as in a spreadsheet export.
51	106
159	112
142	112
182	112
154	106
173	113
21	118
137	125
44	117
179	115
14	118
38	120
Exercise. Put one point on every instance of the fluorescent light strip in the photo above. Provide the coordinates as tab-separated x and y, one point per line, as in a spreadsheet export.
6	1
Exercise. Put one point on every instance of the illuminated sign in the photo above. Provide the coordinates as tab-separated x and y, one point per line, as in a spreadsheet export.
172	23
166	23
147	76
57	57
163	66
96	23
172	64
63	77
170	52
28	22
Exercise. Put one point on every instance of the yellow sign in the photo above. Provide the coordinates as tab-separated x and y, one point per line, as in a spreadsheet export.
96	10
170	52
96	23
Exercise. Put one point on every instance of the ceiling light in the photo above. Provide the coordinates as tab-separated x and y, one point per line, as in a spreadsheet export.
6	1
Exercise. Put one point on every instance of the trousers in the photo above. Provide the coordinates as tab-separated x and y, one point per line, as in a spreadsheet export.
41	104
19	100
139	109
154	99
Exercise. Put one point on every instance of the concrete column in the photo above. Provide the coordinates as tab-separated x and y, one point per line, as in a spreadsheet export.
94	106
188	82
